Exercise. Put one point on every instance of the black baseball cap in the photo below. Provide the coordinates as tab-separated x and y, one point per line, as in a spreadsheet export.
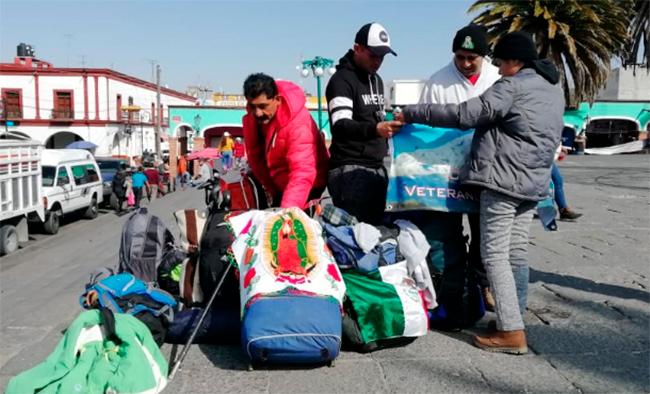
375	37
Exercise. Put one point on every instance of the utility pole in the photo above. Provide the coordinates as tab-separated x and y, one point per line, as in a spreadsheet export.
4	114
68	38
153	63
158	110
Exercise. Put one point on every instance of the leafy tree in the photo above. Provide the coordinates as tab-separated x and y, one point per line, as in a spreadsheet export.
639	31
580	37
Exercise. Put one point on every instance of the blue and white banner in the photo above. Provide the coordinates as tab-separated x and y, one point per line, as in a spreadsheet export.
423	175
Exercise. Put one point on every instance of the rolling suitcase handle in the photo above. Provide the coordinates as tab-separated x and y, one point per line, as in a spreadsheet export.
217	202
177	364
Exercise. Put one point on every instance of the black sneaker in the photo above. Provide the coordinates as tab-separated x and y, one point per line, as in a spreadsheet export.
568	215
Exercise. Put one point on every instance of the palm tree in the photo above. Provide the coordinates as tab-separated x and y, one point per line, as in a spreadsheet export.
580	37
639	31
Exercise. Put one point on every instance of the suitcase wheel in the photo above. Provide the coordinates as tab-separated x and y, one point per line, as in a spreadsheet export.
330	364
250	367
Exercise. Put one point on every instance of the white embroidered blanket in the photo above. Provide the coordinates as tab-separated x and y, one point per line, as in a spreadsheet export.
283	251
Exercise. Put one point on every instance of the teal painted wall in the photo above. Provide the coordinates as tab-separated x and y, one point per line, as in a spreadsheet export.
212	116
637	111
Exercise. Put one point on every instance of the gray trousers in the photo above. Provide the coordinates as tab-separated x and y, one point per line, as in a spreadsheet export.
505	222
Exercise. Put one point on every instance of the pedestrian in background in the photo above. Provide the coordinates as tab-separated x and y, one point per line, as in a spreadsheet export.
566	213
118	186
518	123
153	179
139	180
225	147
130	197
181	177
205	173
239	151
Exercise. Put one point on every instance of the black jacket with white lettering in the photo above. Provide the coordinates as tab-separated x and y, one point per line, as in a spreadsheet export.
355	101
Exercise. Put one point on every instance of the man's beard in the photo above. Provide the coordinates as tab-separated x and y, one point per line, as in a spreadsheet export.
262	119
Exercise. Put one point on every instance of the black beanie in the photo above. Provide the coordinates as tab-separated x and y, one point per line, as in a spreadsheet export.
516	46
471	38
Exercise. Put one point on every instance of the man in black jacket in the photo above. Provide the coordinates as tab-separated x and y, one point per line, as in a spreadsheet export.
118	187
357	178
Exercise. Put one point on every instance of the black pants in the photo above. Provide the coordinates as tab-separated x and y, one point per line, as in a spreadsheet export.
120	197
360	191
137	192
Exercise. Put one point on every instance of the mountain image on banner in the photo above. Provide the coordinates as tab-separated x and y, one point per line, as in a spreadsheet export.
423	175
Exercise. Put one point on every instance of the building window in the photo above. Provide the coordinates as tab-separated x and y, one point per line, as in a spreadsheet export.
63	105
13	104
84	174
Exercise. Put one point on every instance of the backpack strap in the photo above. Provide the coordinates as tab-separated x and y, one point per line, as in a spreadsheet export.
108	320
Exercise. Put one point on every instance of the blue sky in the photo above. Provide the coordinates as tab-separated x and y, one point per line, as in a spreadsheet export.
218	43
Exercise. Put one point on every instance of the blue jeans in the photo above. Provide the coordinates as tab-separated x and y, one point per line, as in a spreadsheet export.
505	223
182	179
226	160
558	183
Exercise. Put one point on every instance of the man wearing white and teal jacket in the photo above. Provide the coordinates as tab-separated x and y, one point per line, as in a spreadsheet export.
468	75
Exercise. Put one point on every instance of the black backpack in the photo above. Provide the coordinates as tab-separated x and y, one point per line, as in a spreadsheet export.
145	243
214	257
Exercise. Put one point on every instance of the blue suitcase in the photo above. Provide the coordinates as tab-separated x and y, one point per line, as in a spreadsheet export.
292	329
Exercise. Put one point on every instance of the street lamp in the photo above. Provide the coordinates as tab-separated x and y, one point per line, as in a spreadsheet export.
197	124
144	117
197	129
317	66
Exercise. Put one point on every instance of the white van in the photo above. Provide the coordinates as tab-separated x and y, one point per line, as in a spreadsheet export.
71	182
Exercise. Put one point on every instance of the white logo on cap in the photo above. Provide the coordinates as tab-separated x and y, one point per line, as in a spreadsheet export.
378	36
468	44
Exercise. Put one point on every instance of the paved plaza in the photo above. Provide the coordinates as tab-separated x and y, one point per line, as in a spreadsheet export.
588	322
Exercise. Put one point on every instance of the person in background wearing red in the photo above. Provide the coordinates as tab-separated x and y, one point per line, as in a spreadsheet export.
239	152
153	178
183	176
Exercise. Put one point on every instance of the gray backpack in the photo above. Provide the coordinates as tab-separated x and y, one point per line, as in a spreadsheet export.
145	243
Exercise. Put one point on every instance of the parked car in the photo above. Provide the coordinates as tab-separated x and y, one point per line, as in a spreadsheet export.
71	182
108	166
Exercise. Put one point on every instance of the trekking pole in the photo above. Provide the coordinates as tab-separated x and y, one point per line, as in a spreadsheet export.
179	361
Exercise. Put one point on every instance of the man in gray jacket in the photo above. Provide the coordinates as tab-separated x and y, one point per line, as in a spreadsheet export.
518	124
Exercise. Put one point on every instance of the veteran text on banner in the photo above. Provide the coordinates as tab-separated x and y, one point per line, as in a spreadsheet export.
426	162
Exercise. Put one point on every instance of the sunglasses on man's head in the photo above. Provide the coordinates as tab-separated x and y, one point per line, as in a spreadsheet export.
469	58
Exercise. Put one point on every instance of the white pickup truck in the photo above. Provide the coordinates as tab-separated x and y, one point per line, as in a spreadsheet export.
20	190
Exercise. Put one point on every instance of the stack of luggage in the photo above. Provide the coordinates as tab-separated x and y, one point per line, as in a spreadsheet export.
289	287
115	345
291	291
389	288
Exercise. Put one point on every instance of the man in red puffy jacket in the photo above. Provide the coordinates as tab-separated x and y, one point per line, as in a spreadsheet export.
285	149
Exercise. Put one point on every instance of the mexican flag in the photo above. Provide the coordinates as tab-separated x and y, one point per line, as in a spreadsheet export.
387	302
